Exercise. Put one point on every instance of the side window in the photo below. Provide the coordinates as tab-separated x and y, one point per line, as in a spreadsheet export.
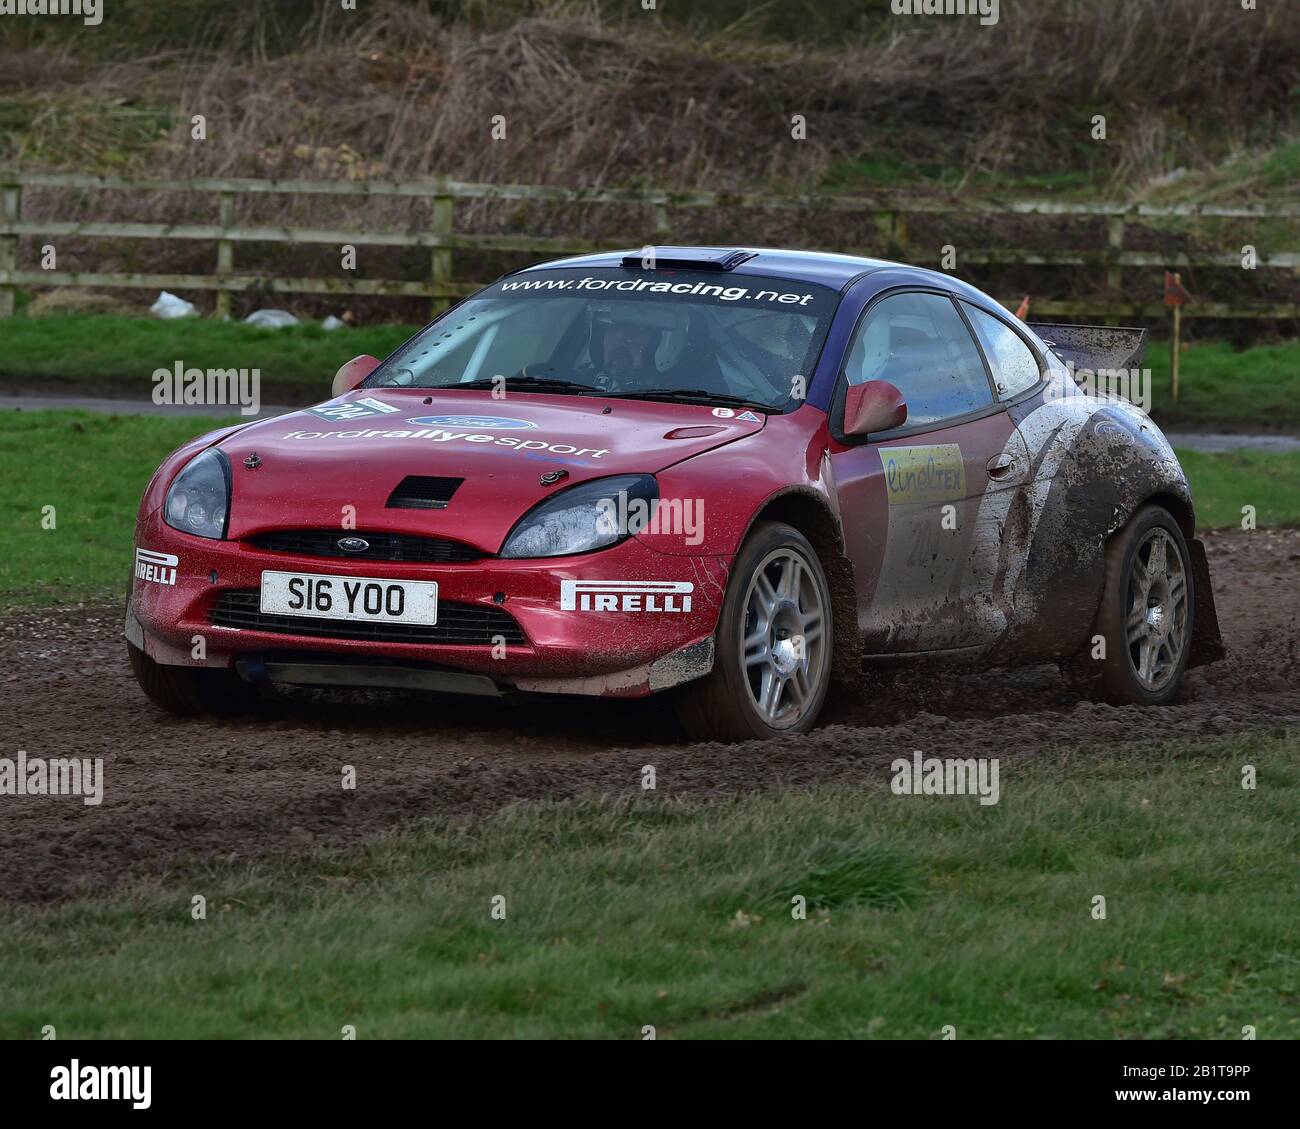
1015	368
919	343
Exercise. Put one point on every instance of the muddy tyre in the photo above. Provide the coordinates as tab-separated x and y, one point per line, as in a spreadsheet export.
1146	614
186	691
772	653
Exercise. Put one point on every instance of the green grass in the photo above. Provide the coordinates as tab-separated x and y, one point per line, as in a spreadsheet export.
1223	483
1257	387
121	353
677	914
1280	167
99	134
1254	174
93	468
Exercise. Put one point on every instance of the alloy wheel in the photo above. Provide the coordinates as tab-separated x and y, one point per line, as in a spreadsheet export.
1155	620
784	639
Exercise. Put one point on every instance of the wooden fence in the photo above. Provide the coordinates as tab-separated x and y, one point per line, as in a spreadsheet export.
890	224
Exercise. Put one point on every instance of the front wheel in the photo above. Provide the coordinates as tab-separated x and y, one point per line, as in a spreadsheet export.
188	690
772	653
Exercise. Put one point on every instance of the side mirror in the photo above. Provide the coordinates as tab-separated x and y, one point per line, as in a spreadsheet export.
353	373
874	405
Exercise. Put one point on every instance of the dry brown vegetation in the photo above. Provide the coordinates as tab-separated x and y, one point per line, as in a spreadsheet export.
593	97
590	100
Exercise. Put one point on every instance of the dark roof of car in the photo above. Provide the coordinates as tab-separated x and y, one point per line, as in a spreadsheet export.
835	271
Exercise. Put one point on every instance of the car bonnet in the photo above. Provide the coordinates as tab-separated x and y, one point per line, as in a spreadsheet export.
302	469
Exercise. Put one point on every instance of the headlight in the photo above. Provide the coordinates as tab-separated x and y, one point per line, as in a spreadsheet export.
594	515
199	498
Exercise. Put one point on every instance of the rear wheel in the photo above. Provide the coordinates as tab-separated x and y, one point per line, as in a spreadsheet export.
772	653
189	690
1146	613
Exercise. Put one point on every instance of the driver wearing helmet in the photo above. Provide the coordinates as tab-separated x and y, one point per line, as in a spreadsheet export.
629	349
622	349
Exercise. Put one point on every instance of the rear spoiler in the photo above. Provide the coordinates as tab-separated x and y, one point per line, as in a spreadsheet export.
1093	347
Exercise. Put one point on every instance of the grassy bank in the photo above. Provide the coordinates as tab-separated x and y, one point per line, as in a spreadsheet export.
634	79
734	95
1223	483
922	912
112	355
1219	386
92	469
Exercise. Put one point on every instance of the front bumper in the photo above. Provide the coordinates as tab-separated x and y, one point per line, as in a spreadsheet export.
505	621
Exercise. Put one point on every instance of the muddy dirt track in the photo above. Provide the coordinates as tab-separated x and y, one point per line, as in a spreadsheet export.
176	789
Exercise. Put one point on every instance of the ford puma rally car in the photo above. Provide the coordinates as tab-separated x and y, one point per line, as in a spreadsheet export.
732	475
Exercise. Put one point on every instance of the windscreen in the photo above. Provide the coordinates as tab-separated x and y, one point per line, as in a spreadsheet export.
621	332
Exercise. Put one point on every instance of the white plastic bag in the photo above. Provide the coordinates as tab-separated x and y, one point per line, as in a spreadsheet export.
170	306
271	319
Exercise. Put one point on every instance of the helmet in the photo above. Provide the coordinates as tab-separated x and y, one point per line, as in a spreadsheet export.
666	326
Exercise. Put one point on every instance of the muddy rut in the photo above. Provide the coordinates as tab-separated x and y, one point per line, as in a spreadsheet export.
179	789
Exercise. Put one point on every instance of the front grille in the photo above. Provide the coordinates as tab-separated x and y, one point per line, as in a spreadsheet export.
466	625
383	546
421	492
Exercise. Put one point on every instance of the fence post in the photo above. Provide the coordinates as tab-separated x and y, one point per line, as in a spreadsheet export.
891	231
10	212
661	219
440	260
225	253
1114	243
900	236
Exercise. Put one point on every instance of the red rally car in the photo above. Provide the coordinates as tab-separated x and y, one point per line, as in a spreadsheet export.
732	475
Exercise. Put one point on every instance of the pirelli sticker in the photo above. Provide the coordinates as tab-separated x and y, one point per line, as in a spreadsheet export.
924	474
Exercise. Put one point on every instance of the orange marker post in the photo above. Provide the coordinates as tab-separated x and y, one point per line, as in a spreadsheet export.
1175	297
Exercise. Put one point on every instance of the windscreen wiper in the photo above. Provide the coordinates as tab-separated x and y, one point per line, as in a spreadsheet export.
691	396
540	382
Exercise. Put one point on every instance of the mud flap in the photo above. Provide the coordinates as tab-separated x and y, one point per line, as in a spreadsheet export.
1207	642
